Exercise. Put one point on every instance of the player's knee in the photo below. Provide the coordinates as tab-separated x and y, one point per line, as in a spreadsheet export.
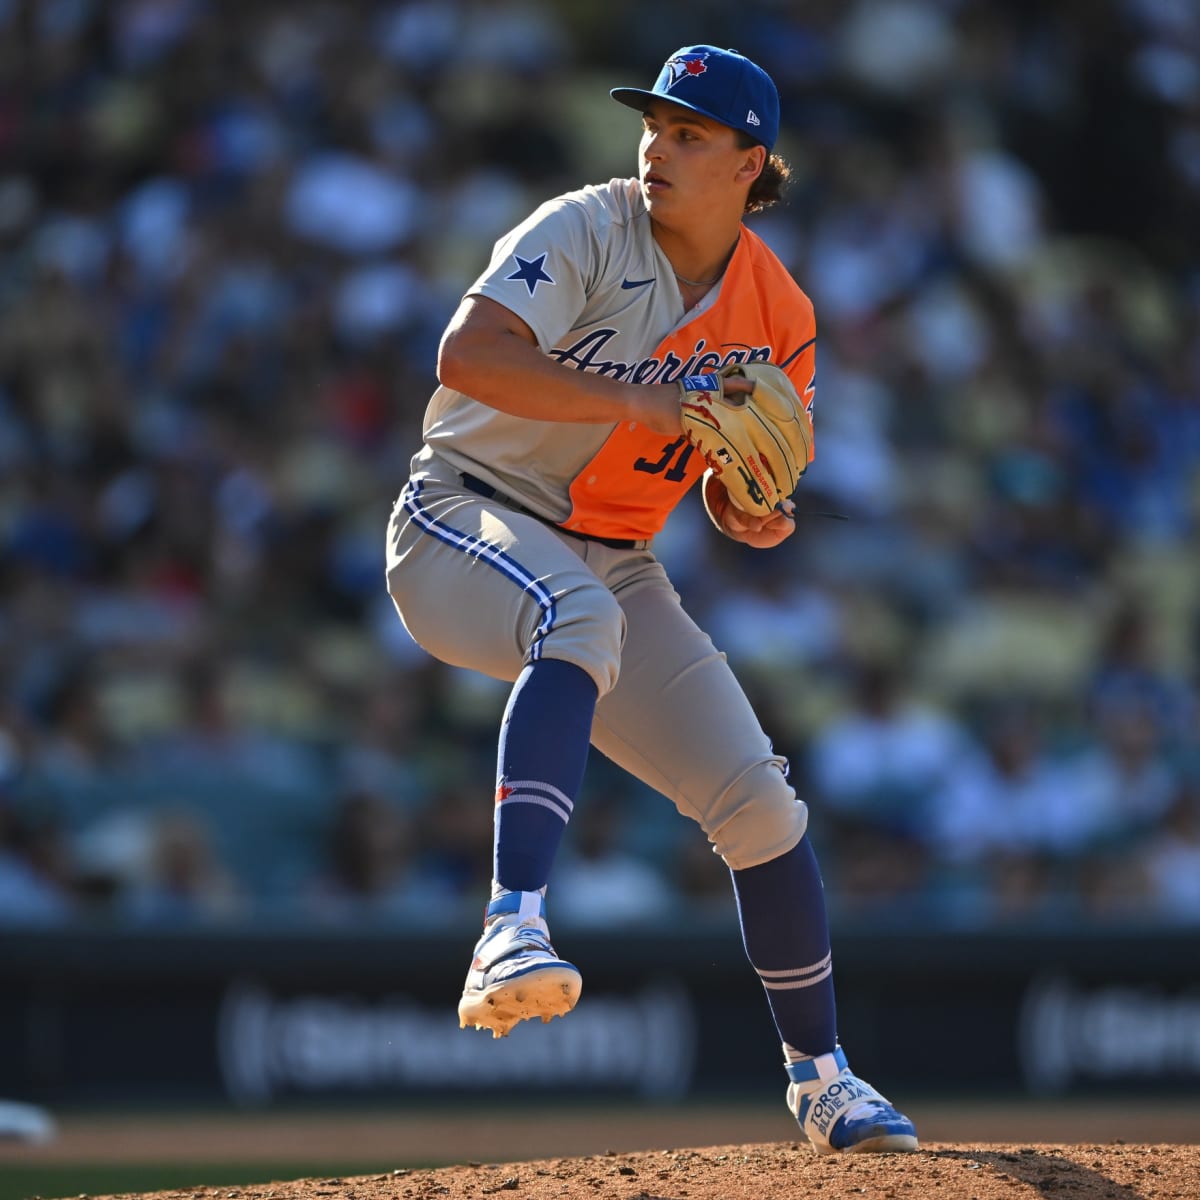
766	819
588	630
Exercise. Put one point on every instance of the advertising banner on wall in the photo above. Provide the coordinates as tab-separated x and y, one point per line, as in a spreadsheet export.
255	1020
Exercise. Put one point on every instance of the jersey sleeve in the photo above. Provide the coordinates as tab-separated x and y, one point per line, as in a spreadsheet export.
542	268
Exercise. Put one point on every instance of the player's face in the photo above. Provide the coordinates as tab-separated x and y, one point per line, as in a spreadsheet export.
690	164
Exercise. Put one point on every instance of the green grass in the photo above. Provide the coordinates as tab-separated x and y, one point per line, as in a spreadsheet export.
20	1182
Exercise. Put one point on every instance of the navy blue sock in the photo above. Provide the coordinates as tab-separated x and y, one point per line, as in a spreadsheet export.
786	934
543	750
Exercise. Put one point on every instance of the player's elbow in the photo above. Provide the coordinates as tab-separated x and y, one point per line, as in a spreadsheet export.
469	359
481	340
456	360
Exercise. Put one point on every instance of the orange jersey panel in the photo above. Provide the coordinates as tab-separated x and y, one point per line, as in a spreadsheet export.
630	486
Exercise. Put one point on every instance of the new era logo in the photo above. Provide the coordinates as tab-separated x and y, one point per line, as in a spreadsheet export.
752	118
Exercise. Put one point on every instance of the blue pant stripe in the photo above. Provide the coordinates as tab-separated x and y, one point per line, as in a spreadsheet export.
490	554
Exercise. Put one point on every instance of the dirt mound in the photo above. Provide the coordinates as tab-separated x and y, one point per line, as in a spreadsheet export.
776	1171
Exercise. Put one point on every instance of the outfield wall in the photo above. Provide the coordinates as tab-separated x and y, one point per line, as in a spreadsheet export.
266	1016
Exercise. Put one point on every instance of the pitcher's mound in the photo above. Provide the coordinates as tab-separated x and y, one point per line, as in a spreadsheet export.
775	1172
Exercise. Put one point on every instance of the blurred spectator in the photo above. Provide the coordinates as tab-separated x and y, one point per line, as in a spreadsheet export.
1122	785
1129	675
184	882
1005	823
35	883
877	770
76	768
384	751
456	846
599	875
1171	860
111	856
701	881
881	764
374	870
772	622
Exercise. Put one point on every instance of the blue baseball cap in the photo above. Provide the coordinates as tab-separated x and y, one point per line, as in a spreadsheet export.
721	84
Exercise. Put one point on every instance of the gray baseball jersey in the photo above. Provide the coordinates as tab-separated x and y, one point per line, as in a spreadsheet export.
587	276
482	585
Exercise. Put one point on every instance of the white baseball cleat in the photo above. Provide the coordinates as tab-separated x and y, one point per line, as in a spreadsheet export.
515	974
839	1113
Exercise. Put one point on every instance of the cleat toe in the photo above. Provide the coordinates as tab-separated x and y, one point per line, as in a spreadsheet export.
518	986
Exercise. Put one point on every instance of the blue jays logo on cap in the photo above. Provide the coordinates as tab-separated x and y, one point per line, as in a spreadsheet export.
721	84
680	66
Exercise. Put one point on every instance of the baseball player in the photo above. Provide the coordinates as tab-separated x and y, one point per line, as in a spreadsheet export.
555	446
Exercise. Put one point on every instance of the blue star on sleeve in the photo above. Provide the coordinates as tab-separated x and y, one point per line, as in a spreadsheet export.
531	272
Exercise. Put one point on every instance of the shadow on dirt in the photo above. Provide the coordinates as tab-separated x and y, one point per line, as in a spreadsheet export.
1051	1174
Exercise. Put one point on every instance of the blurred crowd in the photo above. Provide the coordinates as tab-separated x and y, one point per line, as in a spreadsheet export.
230	237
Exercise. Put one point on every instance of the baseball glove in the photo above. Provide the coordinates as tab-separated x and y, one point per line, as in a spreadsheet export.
759	443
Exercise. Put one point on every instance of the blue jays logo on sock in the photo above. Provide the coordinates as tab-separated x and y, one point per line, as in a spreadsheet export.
684	65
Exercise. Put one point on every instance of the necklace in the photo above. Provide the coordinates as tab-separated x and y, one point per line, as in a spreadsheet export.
705	283
708	282
696	282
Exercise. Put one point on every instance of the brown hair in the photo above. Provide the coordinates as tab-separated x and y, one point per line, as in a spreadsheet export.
772	181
